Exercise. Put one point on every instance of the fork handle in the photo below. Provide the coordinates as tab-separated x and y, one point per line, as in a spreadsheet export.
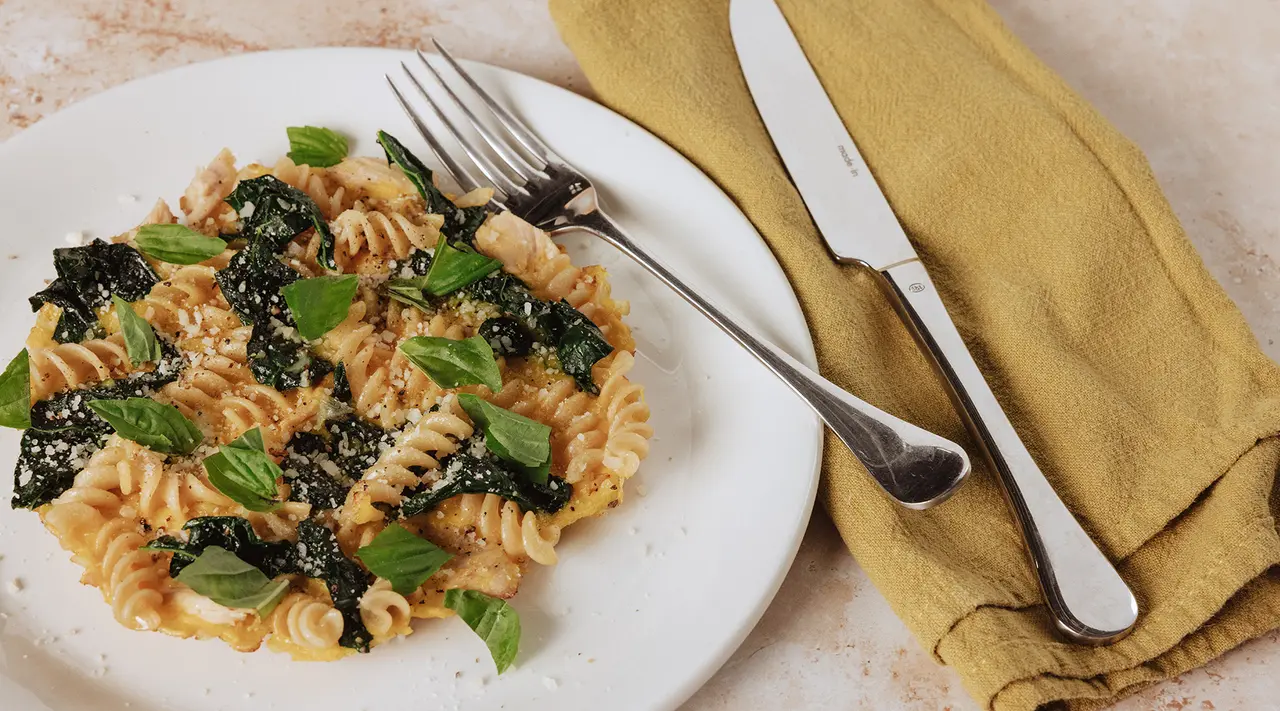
915	467
1088	600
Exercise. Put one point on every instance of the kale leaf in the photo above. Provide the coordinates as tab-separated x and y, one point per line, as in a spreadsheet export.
350	446
318	556
280	358
252	280
49	461
579	343
87	277
274	212
467	474
507	336
232	533
460	223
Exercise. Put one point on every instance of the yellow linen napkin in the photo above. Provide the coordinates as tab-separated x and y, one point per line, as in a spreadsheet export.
1129	374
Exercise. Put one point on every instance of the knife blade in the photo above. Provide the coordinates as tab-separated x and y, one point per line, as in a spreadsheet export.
1088	600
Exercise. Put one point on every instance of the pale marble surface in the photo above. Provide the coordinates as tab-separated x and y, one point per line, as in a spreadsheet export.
1196	84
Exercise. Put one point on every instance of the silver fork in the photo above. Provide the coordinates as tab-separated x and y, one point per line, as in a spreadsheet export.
915	467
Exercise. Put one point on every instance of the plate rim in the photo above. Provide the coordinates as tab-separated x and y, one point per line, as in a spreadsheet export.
678	693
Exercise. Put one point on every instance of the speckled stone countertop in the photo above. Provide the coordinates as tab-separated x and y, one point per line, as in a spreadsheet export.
1197	85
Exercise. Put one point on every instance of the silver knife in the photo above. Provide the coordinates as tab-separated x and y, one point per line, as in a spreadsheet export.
1087	598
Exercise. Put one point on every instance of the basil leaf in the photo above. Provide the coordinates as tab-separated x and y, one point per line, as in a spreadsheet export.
222	577
245	472
315	146
87	277
177	244
152	424
453	268
406	291
48	462
15	392
139	339
321	303
451	363
492	619
403	559
512	437
232	533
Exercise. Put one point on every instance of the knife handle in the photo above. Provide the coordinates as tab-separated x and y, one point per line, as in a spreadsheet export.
1088	600
915	467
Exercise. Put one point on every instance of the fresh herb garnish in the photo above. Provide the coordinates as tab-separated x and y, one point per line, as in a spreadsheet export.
139	338
245	472
315	146
231	533
87	277
512	437
177	244
455	267
460	224
152	424
492	619
452	363
274	212
321	303
402	558
49	461
15	392
222	577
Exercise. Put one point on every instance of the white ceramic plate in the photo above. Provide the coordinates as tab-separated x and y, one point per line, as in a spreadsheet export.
646	602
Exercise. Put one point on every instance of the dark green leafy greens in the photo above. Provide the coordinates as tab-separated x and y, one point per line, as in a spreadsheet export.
320	303
252	281
15	392
460	223
177	244
464	473
87	277
318	556
315	555
402	558
273	212
321	467
507	336
152	424
222	577
48	462
451	363
316	146
139	338
231	533
245	472
579	343
280	358
492	619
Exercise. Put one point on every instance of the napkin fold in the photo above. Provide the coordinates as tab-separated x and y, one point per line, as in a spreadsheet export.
1130	375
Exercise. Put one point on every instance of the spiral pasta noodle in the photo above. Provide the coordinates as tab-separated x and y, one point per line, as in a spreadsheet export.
380	233
305	621
499	522
385	612
71	365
